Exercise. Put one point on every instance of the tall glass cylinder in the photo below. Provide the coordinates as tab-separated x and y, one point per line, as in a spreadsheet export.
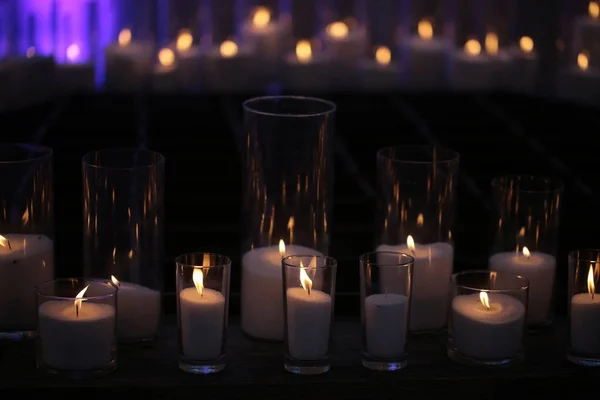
527	211
26	234
417	193
123	219
287	199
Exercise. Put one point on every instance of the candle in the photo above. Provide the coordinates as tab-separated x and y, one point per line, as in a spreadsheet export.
539	268
231	69
345	44
380	73
586	31
431	282
263	34
427	58
26	80
487	326
472	70
585	320
305	70
75	76
580	82
262	295
500	60
76	336
524	67
202	317
26	260
128	64
165	77
308	320
138	311
386	317
190	62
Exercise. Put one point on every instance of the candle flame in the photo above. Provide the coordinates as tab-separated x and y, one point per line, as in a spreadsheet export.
115	281
261	17
184	40
590	282
228	49
594	9
79	300
526	44
583	61
472	47
303	51
30	52
198	279
420	219
337	30
73	52
425	29
410	243
4	242
166	57
282	248
491	43
124	37
304	279
383	55
526	252
485	300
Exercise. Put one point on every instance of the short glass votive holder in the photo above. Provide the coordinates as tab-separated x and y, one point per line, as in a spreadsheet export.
384	311
202	309
584	308
308	298
487	318
77	327
526	216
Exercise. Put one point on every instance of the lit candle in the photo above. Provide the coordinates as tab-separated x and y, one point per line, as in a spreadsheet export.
128	63
381	73
581	82
346	44
585	319
190	62
26	260
231	68
427	58
138	311
539	268
386	320
524	70
472	70
500	60
586	31
76	75
263	33
308	320
75	335
306	70
487	326
165	72
202	316
262	297
431	282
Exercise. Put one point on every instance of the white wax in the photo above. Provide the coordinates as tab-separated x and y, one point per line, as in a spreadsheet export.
586	34
539	268
430	286
494	334
29	263
165	79
585	324
232	74
473	72
427	62
262	290
202	321
375	76
265	40
77	343
138	311
386	319
348	49
310	76
308	324
129	67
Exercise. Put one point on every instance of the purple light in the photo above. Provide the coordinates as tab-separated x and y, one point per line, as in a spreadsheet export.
72	28
35	26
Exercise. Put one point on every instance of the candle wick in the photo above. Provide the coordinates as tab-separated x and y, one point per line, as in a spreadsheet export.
308	290
8	244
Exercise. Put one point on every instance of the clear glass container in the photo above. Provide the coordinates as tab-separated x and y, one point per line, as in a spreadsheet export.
584	308
287	199
487	318
384	308
308	302
77	327
202	309
416	204
123	223
526	216
26	234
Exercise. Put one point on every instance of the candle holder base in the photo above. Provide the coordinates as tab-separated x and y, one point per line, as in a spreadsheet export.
300	367
202	367
540	327
378	364
17	336
77	374
460	358
583	361
259	339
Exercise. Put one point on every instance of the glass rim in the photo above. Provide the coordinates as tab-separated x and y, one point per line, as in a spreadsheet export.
45	152
248	106
64	298
573	254
557	185
226	260
411	259
452	155
87	163
456	275
331	262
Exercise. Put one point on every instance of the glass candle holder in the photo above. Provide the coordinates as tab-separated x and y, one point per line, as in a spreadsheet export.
309	292
288	184
417	192
384	310
527	213
584	308
26	234
202	309
77	327
123	201
487	318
